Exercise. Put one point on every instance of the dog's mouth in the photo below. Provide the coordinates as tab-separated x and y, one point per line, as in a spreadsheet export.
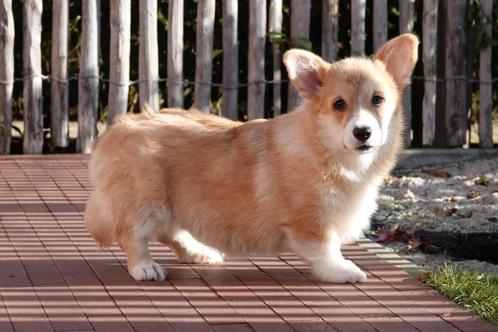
364	148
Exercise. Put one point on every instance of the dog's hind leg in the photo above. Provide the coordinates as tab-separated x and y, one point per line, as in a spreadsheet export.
188	249
134	243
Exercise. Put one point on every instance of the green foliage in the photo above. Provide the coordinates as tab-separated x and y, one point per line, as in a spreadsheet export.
477	292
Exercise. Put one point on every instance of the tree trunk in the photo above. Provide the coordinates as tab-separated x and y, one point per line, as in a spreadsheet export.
330	29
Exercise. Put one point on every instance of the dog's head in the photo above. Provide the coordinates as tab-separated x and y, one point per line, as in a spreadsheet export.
355	98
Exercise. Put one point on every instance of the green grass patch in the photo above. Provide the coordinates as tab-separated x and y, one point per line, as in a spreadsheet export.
477	292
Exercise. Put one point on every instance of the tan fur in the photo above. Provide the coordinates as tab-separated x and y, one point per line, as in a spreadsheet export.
255	187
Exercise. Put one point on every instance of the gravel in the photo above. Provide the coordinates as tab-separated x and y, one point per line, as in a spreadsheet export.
454	198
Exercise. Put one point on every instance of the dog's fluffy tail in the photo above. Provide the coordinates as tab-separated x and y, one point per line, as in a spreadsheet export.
97	223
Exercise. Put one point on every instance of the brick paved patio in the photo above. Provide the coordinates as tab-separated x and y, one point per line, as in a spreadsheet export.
54	278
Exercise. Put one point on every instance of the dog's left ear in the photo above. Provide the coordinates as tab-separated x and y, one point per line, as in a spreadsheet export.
306	72
399	55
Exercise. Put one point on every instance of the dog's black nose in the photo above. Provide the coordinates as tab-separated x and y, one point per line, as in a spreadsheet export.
362	134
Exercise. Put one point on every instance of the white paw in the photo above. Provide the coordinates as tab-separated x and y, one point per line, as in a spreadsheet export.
206	256
339	272
148	270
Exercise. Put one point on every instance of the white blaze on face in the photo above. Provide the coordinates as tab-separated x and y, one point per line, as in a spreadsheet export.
363	119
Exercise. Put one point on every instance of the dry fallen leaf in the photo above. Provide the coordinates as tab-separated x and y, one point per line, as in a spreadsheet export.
436	172
424	276
473	194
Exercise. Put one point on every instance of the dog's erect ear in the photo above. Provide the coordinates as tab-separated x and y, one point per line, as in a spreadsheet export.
399	55
306	72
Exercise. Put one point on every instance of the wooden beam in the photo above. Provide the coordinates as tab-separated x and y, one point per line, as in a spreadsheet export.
485	87
175	53
455	120
358	10
204	54
59	87
379	23
32	88
256	58
275	26
88	87
119	58
406	15
230	60
429	43
330	29
299	35
7	34
148	63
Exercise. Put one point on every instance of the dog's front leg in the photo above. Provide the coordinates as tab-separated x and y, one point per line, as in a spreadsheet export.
324	255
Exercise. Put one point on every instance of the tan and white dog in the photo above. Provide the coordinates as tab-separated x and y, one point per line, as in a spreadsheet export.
305	181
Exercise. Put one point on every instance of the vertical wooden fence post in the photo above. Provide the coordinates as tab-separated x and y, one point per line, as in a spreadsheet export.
429	26
59	127
204	54
6	73
358	10
486	87
256	58
88	87
330	29
275	26
148	71
299	35
119	58
230	60
175	53
32	90
379	23
406	8
455	119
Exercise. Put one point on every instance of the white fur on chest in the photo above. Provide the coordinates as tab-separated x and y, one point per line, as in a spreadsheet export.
348	211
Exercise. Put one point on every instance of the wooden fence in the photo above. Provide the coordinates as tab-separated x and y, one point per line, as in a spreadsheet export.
445	80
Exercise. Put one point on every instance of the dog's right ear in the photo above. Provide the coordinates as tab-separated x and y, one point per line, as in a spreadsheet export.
306	72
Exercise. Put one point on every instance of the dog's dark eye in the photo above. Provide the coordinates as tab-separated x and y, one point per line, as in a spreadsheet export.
340	105
377	100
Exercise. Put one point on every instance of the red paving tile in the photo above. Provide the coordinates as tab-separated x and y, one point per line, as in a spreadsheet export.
54	278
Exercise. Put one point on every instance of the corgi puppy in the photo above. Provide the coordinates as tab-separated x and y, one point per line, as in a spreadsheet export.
306	181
